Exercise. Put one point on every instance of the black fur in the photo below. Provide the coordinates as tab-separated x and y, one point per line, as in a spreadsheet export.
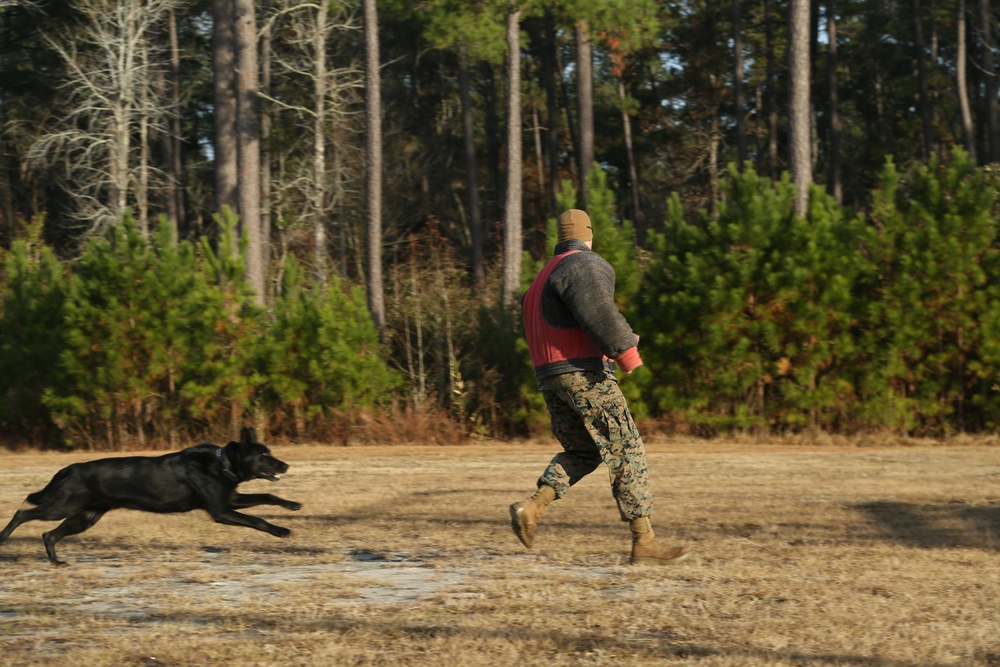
200	477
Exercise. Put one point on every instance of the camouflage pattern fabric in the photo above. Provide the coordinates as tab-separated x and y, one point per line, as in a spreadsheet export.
593	424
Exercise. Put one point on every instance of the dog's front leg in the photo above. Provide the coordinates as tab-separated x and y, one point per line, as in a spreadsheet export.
243	500
232	518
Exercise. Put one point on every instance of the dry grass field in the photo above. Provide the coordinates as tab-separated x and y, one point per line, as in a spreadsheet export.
804	555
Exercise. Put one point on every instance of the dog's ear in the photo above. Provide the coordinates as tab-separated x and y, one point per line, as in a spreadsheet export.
248	435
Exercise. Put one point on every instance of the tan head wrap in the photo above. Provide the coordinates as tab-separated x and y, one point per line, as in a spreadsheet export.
574	224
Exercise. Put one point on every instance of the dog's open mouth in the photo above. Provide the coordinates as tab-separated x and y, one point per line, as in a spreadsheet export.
269	476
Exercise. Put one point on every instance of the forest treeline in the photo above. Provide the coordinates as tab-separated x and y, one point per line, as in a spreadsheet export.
752	319
319	216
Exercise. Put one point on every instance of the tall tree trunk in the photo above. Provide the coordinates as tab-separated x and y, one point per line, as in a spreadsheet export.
248	137
471	176
990	75
551	109
265	140
142	185
738	102
512	233
319	143
175	137
771	95
224	102
585	100
798	116
834	177
373	159
961	56
924	101
536	131
633	170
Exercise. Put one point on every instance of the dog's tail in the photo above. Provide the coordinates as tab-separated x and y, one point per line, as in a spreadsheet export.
38	497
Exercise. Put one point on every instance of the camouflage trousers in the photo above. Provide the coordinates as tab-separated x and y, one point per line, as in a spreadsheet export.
593	424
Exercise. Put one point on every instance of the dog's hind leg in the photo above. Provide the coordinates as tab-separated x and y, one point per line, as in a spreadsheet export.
42	513
244	500
74	525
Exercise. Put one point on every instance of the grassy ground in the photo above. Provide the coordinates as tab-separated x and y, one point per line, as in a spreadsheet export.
804	555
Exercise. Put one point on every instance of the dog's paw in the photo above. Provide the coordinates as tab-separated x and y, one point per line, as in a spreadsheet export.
294	506
282	532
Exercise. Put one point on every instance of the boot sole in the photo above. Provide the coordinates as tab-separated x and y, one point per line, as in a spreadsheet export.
518	527
646	560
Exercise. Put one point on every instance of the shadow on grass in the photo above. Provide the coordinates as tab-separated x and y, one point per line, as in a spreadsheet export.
585	643
939	525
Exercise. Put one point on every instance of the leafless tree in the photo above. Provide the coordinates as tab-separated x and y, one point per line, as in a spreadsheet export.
302	34
110	97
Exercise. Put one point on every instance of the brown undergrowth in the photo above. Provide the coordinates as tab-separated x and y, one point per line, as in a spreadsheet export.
804	554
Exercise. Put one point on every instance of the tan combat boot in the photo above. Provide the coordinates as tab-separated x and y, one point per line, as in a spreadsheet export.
524	514
647	551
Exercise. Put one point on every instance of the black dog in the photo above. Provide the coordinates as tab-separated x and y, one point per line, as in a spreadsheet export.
200	477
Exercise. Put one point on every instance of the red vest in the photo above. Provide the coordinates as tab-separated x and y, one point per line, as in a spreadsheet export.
546	343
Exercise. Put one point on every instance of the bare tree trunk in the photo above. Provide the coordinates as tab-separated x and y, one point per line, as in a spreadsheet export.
990	75
738	102
169	138
536	130
714	188
834	177
175	137
585	100
798	116
265	135
224	89
633	170
961	73
924	101
142	186
373	150
551	109
771	95
319	143
512	233
248	136
471	176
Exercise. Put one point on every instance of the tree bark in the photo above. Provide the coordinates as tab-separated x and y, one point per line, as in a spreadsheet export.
585	101
961	56
738	101
834	177
471	176
373	159
799	121
512	236
551	109
990	76
175	137
224	101
248	137
924	101
319	143
771	98
265	136
633	169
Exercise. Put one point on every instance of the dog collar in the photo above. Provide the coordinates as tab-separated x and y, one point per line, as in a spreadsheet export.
227	466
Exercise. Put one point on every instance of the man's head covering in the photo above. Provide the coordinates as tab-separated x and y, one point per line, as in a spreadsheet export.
574	224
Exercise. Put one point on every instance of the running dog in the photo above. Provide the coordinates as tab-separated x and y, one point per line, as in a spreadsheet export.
201	477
